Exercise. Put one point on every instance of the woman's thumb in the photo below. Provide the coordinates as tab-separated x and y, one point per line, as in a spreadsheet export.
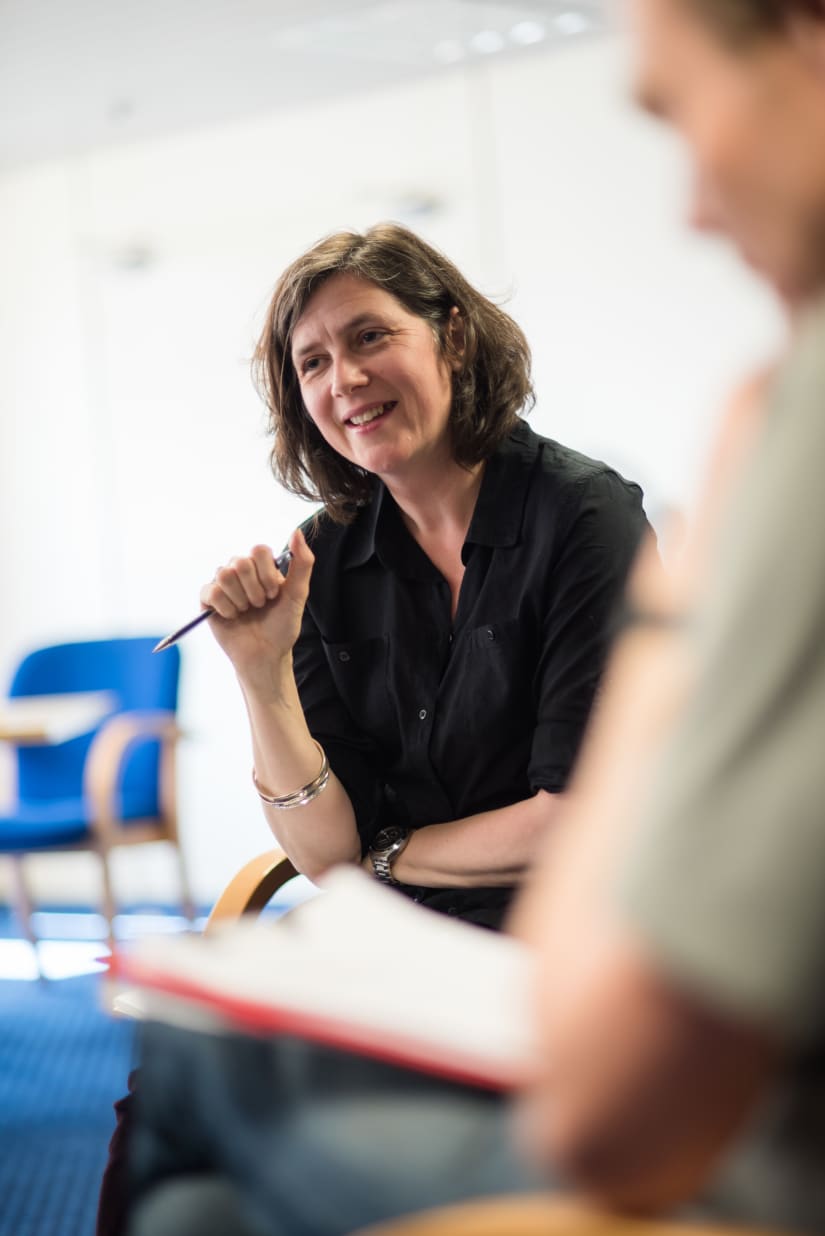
300	568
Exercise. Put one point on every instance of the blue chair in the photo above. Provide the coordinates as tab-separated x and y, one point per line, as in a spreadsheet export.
112	785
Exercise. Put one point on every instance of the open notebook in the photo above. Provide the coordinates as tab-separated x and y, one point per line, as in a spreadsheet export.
360	967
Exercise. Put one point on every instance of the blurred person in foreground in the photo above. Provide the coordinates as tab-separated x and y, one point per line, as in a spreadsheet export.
679	917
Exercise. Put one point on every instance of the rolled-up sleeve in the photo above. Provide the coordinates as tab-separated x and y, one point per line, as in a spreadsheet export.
606	526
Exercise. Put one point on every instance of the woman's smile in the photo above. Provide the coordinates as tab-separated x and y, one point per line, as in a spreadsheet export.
365	418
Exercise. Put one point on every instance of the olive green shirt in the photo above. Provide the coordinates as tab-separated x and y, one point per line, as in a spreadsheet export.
726	883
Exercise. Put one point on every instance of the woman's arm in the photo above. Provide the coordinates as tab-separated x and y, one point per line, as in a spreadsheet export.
488	850
257	622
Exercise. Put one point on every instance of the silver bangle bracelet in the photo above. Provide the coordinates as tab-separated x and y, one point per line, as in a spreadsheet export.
298	798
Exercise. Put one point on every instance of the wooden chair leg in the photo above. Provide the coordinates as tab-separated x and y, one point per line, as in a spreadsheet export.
187	903
107	898
24	908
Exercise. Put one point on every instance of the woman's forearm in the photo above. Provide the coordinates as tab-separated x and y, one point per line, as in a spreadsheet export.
320	833
487	850
257	621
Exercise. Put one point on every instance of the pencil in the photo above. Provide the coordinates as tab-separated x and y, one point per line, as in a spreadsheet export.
282	563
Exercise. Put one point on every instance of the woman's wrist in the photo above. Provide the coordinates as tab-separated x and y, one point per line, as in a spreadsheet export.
270	684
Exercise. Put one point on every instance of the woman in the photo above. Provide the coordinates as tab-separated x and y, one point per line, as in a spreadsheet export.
418	684
425	671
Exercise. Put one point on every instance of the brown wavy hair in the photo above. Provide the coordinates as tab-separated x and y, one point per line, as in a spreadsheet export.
490	390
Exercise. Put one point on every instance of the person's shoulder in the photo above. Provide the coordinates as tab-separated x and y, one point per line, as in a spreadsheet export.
562	469
339	546
320	528
322	531
800	377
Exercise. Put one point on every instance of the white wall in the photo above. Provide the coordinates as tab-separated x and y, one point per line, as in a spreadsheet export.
132	453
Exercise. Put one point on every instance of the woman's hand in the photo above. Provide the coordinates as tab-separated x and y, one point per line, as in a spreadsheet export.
258	611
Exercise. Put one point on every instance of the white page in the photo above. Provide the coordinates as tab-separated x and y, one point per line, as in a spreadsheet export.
363	955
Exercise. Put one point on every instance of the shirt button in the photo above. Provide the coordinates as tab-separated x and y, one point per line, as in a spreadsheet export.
452	911
422	714
491	635
343	655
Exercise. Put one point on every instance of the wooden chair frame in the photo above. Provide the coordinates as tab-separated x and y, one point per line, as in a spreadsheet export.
101	775
543	1215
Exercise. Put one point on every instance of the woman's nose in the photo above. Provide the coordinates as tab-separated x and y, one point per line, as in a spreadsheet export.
347	374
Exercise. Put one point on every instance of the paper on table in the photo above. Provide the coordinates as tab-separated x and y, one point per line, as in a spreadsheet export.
53	718
360	967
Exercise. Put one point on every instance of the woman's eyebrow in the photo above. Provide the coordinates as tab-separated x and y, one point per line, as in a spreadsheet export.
351	324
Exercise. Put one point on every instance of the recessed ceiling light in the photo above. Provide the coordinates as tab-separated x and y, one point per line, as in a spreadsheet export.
448	51
121	110
571	23
527	32
487	42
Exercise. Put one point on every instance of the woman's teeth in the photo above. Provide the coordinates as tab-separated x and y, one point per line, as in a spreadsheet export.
371	414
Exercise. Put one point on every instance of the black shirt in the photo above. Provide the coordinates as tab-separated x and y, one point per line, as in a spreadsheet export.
425	719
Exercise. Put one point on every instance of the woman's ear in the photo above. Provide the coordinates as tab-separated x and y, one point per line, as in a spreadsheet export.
455	339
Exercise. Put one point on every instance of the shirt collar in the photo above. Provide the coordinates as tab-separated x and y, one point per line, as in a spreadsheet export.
379	531
497	518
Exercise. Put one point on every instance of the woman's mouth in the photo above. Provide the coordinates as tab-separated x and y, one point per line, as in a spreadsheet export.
368	415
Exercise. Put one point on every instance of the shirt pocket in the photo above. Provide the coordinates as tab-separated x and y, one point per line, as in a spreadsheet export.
497	666
359	671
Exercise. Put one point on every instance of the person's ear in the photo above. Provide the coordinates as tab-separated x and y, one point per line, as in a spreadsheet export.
456	338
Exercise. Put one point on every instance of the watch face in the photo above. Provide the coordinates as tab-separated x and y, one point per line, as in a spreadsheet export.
387	837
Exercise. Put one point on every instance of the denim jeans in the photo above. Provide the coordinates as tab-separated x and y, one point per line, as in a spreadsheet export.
238	1136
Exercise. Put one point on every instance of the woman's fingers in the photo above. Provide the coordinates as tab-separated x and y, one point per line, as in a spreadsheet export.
254	581
243	583
235	588
269	577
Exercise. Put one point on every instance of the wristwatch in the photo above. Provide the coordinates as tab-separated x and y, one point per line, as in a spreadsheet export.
387	844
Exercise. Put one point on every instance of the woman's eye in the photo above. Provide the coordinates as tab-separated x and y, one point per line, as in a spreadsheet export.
372	336
310	364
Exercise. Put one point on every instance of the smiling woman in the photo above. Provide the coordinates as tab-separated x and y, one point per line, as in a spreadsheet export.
437	644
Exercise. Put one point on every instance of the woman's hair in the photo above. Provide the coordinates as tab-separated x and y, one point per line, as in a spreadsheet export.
741	22
490	388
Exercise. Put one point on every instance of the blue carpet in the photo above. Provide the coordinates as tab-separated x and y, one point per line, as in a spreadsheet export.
63	1062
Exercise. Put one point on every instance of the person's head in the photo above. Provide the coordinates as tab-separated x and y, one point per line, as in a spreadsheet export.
744	83
382	320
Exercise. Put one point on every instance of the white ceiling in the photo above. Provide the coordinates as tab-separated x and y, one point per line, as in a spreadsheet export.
76	74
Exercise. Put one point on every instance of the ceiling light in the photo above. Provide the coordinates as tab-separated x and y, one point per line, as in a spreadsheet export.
448	51
487	42
527	32
571	23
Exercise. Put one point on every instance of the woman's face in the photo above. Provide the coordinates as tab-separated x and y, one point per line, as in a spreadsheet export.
373	379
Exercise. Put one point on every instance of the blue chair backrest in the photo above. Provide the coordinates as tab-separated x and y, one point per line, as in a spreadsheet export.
136	679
